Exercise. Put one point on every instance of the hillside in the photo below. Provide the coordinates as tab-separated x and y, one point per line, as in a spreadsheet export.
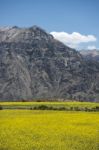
33	65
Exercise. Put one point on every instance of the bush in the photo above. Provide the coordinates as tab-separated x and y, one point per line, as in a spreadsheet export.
76	108
1	107
42	107
97	108
62	108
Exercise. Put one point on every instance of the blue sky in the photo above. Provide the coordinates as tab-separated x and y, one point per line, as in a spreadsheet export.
58	16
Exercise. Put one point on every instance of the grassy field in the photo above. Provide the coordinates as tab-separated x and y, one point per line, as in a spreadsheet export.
48	130
82	106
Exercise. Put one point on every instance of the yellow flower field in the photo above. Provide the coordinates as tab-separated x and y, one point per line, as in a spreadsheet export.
48	130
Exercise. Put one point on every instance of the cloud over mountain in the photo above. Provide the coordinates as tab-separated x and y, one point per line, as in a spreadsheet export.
91	47
74	39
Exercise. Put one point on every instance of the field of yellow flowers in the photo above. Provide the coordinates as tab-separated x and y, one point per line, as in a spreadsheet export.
48	130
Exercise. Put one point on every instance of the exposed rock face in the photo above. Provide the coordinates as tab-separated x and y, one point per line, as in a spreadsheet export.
35	65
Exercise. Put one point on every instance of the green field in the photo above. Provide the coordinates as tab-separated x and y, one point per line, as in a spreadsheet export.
48	130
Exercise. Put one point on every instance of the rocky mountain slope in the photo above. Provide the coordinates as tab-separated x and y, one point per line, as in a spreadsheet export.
33	65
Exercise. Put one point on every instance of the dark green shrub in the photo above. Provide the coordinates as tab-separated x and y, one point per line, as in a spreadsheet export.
50	108
97	108
71	108
43	107
62	108
1	107
76	108
31	108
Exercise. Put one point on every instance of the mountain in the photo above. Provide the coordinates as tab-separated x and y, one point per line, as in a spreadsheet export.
33	65
90	54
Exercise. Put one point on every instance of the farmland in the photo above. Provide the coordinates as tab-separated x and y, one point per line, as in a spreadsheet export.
25	129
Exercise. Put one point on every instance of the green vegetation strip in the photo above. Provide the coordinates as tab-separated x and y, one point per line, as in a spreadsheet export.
67	106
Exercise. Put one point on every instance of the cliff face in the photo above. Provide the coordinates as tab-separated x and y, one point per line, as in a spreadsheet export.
35	65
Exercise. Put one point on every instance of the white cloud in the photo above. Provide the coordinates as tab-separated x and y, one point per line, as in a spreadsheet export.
74	39
91	47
